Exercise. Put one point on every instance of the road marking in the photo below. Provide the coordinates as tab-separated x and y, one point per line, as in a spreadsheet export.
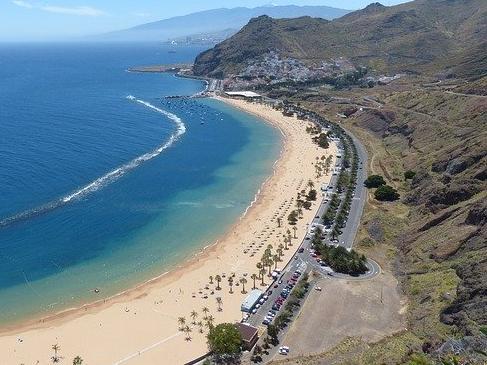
138	353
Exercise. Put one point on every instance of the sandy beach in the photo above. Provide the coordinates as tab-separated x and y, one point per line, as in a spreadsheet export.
141	325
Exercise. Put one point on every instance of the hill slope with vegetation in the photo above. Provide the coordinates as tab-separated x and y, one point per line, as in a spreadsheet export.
402	38
426	135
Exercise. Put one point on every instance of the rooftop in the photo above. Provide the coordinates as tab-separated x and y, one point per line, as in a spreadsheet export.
247	331
246	94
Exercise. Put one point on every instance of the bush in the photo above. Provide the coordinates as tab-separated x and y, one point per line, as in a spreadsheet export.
386	193
311	195
224	339
322	140
409	175
374	181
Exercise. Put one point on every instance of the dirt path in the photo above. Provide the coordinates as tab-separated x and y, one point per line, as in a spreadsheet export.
370	310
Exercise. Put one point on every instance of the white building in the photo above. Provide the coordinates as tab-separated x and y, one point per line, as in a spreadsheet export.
251	300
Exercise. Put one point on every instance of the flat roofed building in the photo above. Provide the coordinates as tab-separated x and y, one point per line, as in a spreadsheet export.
244	94
249	334
251	300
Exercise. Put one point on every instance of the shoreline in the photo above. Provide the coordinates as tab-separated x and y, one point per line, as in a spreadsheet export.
151	308
144	286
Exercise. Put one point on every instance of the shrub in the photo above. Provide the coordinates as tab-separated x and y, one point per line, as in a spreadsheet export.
409	175
374	181
386	193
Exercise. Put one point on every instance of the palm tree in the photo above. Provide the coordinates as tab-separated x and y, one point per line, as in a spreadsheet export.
200	325
259	266
276	259
253	277
205	311
279	252
219	302
285	244
262	272
193	316
210	320
211	279
288	232
295	229
56	358
243	281
187	330
230	283
181	322
77	360
218	280
270	261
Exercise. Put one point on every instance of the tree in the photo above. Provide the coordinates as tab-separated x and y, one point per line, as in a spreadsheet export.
276	259
218	279
279	252
230	283
225	341
273	331
312	195
243	281
409	175
386	193
262	273
278	222
374	181
219	302
311	184
187	330
77	360
295	229
193	316
181	322
211	279
322	140
205	311
254	277
210	320
56	358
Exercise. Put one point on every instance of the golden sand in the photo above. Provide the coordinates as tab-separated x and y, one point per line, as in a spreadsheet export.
140	326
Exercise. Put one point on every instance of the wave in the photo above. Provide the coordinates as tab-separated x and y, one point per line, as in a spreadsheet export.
108	177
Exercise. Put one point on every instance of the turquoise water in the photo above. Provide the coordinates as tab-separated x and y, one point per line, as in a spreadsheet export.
105	183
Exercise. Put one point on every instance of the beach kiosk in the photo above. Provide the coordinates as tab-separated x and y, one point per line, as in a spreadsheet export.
251	300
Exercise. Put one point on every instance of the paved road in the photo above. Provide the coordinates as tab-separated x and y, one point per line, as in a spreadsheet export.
304	262
360	196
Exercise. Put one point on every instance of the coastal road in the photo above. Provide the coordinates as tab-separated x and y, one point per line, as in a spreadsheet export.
347	238
304	262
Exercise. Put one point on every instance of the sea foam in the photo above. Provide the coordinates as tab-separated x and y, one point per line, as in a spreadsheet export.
110	176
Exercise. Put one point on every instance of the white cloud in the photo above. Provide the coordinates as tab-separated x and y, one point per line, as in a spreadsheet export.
74	10
22	4
77	10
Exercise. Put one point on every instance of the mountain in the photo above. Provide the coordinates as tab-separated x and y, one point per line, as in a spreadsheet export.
431	123
403	38
216	20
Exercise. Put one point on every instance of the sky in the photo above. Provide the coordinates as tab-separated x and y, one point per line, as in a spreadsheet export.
38	20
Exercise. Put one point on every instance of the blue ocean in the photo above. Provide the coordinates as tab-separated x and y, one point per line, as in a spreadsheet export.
105	182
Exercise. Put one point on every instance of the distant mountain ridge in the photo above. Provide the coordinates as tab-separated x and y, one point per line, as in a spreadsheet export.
404	38
216	20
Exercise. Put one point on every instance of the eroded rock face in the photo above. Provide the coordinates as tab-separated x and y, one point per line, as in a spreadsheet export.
477	214
471	302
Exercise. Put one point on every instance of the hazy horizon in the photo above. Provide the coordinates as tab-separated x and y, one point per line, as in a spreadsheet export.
56	20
